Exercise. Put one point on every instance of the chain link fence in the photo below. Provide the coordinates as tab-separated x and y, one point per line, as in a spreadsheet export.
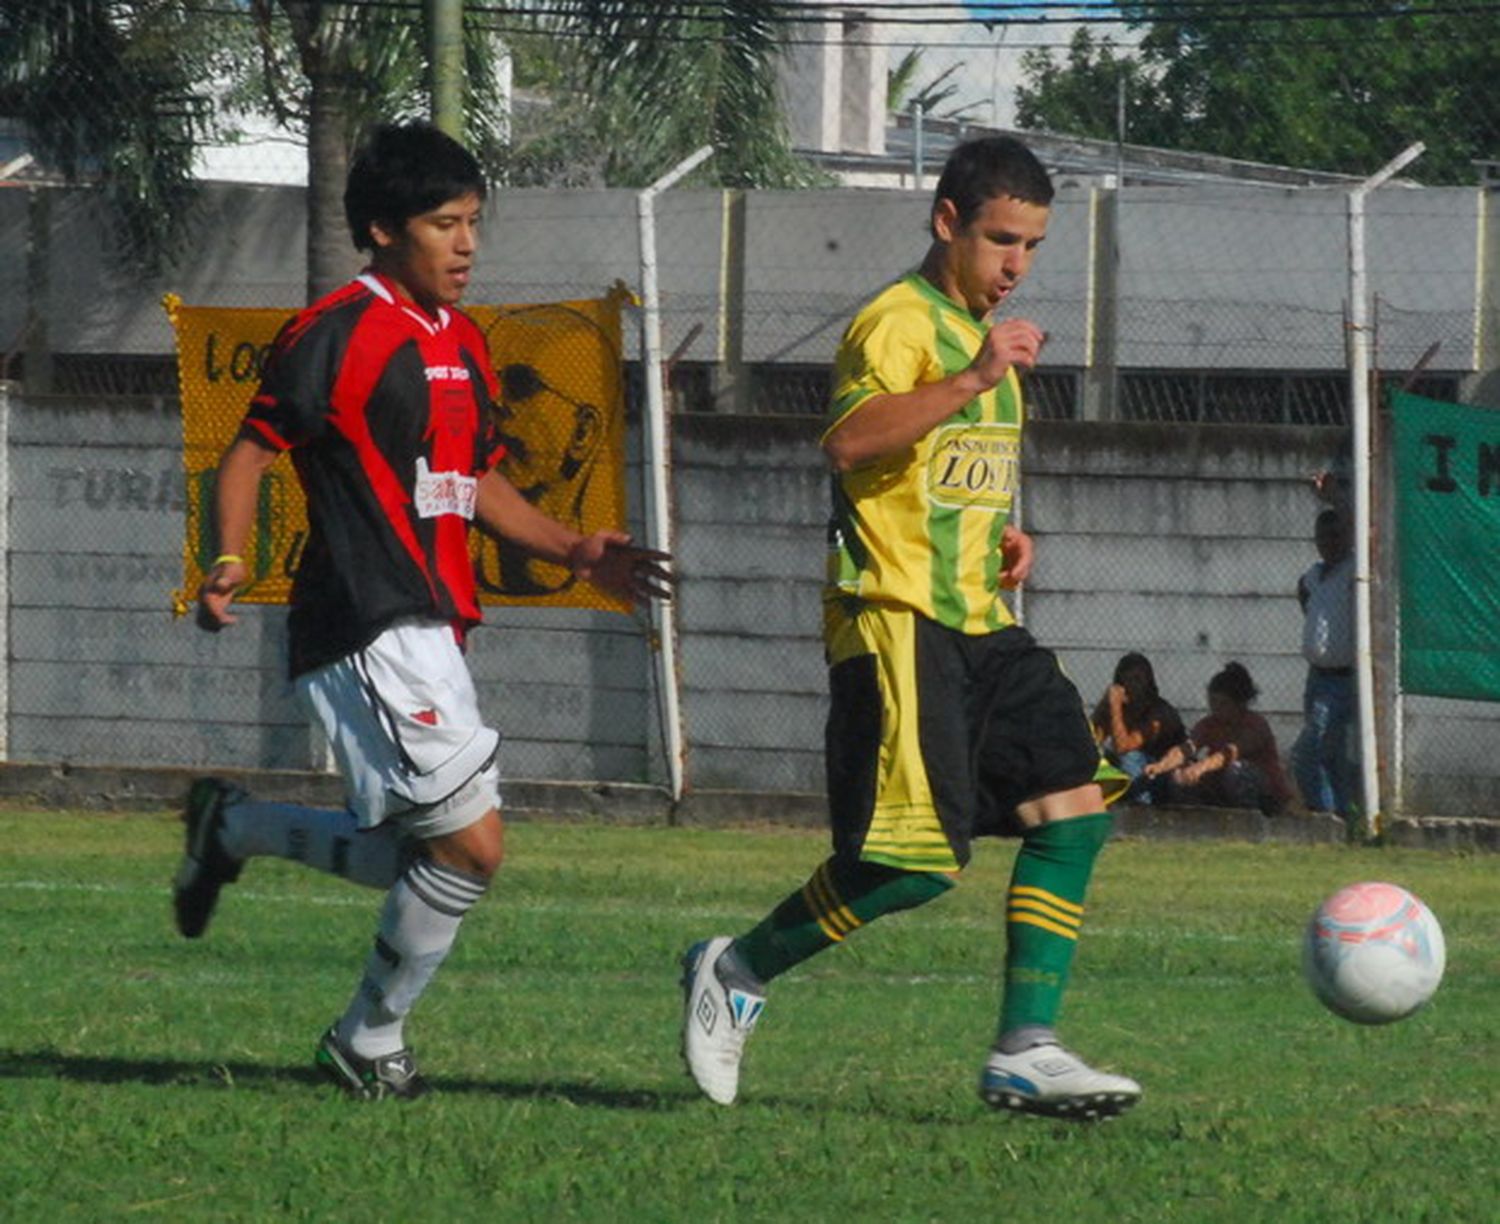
1194	294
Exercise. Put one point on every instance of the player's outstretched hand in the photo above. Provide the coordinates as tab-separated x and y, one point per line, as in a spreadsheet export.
217	593
613	563
1016	553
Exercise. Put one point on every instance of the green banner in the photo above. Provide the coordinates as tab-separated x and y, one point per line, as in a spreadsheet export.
1448	536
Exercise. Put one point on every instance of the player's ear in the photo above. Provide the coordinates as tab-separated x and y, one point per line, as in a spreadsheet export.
383	234
945	224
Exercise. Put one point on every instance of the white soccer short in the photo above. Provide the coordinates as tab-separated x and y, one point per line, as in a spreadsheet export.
403	720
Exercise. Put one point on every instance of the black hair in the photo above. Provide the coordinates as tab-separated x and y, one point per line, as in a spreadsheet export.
403	170
993	166
1135	661
1235	683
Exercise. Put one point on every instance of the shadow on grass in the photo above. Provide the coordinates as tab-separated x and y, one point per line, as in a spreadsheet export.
86	1069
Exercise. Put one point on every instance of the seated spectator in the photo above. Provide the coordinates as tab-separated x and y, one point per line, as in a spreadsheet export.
1230	757
1135	724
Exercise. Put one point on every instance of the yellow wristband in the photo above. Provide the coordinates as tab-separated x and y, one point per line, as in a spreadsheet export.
227	559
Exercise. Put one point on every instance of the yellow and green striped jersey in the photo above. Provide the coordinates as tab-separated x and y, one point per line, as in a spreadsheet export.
921	528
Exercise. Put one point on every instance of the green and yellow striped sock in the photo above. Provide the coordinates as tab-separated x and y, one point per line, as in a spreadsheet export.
840	897
1043	915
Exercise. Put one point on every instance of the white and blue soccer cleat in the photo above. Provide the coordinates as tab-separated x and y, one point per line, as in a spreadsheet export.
1056	1083
721	1003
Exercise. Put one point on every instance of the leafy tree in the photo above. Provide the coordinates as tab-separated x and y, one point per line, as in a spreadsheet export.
1081	95
1256	81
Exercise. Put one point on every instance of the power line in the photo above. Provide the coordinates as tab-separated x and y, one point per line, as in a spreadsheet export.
500	19
1041	12
1101	12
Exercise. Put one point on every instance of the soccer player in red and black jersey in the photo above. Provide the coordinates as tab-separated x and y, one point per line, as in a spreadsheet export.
383	393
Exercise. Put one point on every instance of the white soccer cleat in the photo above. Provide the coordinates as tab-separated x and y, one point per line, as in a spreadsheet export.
1055	1083
720	1008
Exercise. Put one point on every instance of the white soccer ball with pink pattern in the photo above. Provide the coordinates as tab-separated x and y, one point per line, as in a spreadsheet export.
1373	953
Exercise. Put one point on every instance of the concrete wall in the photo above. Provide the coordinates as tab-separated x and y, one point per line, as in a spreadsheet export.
1218	278
99	671
1207	278
1184	543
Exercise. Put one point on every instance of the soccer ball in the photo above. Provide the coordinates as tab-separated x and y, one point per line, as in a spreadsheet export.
1373	953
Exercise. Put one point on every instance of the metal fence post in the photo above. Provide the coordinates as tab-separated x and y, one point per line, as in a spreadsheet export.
658	456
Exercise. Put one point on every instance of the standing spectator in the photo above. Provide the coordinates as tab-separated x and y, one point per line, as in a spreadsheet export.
1230	757
947	721
384	395
1321	757
1135	724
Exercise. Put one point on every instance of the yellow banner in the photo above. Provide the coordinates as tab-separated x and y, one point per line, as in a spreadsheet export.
561	411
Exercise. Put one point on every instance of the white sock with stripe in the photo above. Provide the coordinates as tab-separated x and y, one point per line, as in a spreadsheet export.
417	928
326	839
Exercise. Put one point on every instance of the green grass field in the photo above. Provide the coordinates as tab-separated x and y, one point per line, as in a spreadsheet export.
145	1077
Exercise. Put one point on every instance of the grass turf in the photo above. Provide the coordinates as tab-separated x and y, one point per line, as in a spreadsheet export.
146	1077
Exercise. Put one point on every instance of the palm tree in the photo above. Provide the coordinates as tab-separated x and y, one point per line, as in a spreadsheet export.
903	92
107	91
638	87
321	62
335	68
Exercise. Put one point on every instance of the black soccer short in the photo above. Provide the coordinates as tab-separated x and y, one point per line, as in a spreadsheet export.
935	736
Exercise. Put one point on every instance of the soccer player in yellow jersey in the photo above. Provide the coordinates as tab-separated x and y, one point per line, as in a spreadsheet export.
947	720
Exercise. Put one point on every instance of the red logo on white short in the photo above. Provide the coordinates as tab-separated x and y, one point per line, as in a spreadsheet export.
426	717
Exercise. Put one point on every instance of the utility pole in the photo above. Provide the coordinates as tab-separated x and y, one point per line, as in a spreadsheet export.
445	40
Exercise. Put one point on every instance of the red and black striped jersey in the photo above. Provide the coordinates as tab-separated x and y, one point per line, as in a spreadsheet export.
389	414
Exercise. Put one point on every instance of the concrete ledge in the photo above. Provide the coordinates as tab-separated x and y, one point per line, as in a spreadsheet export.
121	788
1226	824
1445	833
707	808
125	789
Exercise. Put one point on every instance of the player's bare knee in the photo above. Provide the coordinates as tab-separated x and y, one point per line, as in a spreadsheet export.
478	849
487	852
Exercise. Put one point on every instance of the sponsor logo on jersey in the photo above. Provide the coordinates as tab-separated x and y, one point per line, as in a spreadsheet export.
443	492
974	465
446	373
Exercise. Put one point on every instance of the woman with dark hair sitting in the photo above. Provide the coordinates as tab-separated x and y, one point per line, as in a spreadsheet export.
1135	725
1230	758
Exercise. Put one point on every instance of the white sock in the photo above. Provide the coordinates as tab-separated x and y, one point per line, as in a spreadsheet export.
417	929
326	839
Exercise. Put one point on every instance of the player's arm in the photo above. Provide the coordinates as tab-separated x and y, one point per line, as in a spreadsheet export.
236	491
886	424
608	559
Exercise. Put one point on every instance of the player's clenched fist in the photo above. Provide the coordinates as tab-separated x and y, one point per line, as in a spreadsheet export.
1012	342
